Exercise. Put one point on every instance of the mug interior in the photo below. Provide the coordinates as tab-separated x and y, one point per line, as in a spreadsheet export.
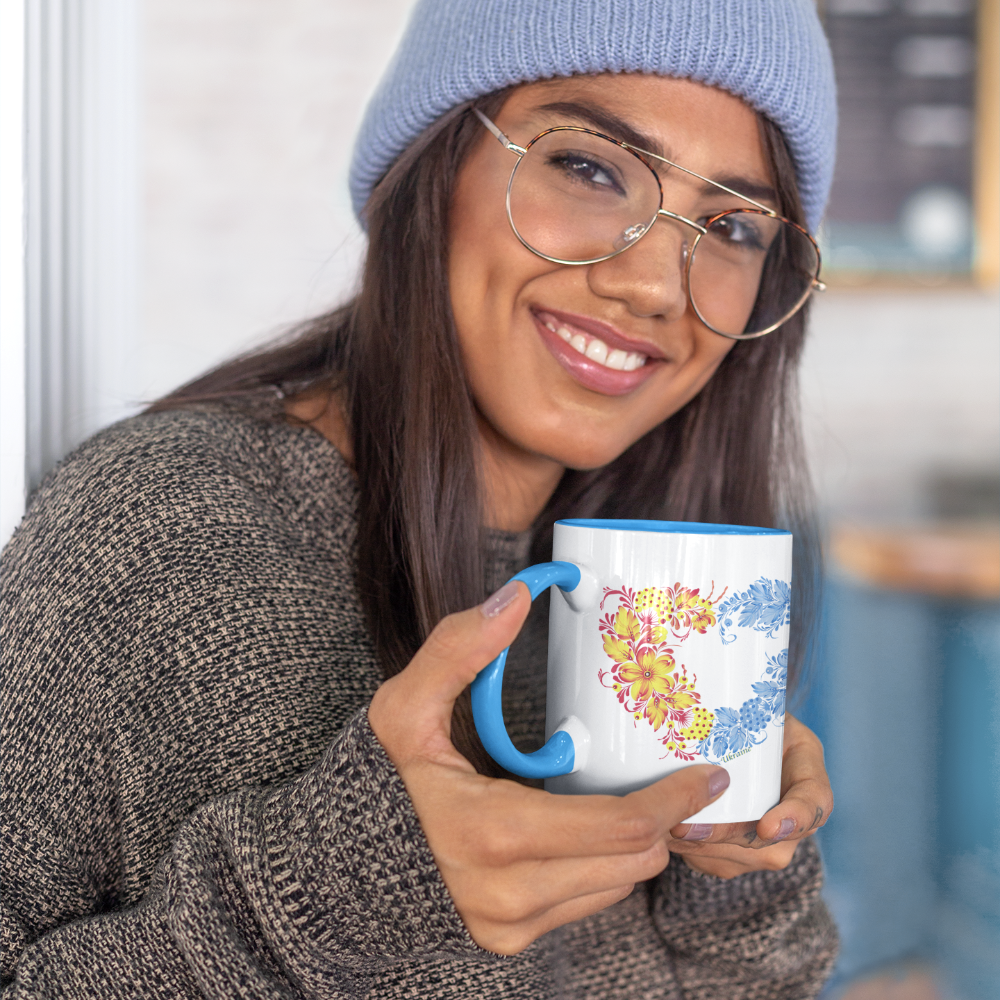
674	527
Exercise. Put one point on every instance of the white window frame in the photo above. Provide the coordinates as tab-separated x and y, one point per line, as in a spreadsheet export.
69	247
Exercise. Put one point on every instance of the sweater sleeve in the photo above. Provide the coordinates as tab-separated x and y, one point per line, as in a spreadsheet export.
767	934
192	802
308	889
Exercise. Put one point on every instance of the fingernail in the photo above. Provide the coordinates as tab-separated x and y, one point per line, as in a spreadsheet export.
786	829
495	603
698	831
718	782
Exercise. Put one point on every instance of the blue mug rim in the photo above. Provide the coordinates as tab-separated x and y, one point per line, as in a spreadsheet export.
669	527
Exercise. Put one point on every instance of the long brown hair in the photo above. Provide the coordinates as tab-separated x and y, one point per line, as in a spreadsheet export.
733	454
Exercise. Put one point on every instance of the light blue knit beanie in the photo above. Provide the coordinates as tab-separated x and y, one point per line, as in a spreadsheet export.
771	53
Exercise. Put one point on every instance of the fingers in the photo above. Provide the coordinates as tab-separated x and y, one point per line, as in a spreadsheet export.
519	861
806	795
683	793
688	835
465	642
411	712
529	890
806	802
524	823
728	861
507	938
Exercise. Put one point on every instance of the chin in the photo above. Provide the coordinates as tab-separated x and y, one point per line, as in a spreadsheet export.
587	458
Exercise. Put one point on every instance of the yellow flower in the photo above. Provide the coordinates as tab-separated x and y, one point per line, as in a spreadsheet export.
648	675
627	625
616	648
678	694
655	600
701	725
656	712
658	634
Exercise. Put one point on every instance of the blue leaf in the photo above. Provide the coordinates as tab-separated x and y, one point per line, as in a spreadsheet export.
772	614
727	717
720	743
737	739
767	689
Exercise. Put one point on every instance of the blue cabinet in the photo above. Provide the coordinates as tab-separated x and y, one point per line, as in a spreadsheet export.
907	701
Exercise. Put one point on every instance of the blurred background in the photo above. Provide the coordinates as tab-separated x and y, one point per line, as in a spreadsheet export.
184	186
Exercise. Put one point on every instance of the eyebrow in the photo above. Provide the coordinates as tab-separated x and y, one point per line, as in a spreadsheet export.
605	121
618	128
752	189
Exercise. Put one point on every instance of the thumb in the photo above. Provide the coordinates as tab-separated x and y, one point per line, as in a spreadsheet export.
415	706
681	794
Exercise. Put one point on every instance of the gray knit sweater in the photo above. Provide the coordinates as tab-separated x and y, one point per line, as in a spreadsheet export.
193	803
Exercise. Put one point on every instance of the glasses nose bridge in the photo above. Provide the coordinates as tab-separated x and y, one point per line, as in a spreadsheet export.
667	214
669	251
686	246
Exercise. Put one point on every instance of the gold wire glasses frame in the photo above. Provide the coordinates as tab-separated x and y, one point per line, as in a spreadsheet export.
633	233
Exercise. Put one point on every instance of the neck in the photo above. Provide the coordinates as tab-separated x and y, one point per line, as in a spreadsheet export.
516	484
323	410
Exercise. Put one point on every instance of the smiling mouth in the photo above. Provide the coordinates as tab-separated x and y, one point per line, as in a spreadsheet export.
595	349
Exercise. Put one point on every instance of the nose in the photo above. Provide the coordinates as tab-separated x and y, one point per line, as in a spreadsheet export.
649	276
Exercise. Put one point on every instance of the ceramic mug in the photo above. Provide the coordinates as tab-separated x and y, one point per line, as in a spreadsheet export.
668	646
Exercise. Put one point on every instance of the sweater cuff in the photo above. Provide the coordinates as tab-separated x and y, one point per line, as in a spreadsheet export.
350	866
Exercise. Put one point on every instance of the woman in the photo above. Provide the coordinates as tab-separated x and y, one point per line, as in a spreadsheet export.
240	759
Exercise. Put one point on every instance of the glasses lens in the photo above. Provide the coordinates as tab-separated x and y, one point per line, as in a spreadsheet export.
750	272
577	197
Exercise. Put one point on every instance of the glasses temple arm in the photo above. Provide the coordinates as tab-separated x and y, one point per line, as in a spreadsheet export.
500	137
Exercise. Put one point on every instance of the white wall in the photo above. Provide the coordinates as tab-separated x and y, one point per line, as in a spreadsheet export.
12	276
898	387
250	110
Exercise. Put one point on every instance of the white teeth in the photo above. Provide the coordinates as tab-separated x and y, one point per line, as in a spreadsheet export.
597	351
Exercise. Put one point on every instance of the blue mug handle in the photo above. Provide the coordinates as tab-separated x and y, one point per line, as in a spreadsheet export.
559	754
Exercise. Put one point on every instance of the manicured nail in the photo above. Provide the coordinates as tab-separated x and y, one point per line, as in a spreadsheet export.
786	829
699	831
719	781
495	603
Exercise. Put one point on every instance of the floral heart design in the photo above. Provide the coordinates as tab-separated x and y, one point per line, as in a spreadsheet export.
639	638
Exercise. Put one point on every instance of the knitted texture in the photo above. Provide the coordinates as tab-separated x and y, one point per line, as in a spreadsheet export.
772	53
193	803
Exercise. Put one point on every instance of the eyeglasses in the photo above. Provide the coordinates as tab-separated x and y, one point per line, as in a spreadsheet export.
576	196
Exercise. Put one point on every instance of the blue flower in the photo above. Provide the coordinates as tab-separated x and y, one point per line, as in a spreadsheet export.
763	606
735	730
755	714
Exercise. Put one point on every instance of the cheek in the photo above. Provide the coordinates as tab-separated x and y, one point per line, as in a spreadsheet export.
481	258
488	272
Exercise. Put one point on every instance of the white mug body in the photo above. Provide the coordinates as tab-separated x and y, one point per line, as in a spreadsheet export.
671	651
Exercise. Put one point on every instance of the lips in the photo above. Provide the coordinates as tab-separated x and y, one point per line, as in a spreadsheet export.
595	354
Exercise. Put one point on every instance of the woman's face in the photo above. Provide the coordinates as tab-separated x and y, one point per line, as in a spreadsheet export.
537	395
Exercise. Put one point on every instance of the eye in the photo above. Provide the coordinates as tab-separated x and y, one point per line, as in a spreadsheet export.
739	229
585	168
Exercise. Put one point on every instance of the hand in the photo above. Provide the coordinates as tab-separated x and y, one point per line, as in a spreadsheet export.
517	861
726	850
